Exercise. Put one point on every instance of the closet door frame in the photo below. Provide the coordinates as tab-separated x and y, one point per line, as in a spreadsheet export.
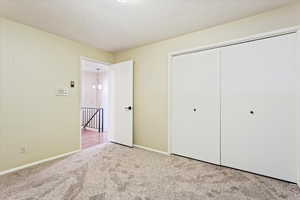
295	29
298	105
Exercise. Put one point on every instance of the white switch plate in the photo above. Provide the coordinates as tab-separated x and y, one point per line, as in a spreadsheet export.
62	92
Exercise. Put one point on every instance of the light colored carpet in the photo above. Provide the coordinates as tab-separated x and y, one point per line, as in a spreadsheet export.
113	172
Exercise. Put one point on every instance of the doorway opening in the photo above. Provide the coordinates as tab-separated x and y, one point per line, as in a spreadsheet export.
94	105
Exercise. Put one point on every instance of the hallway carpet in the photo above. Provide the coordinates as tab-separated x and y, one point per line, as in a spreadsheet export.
114	172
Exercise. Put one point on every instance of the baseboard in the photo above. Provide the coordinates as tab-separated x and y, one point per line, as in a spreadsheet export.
91	129
37	162
150	149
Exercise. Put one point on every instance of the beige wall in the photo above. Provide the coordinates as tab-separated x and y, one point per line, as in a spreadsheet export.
151	61
33	64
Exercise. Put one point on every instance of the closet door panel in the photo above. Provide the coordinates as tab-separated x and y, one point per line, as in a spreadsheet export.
195	106
258	127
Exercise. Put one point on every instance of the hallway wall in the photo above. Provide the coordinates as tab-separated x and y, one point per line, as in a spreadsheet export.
90	97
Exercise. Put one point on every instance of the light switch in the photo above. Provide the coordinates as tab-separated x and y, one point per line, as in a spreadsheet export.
72	84
62	92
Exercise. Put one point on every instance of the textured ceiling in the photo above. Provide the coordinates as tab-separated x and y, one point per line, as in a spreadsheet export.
113	26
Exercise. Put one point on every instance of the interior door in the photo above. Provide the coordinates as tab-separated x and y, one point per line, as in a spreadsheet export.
258	131
195	106
121	101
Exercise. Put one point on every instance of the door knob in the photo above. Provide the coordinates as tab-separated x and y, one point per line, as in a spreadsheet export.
252	112
128	108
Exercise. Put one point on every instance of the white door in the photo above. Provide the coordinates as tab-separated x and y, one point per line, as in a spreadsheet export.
195	106
121	101
258	131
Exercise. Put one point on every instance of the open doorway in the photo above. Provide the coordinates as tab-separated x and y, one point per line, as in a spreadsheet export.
94	105
106	103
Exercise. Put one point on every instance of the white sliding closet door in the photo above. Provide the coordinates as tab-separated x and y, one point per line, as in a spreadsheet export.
258	129
195	106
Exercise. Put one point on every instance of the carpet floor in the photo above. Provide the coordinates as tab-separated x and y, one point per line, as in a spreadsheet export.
114	172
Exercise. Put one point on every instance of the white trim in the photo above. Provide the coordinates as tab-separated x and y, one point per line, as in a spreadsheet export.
37	163
94	60
298	106
91	129
169	105
237	41
295	29
132	97
150	149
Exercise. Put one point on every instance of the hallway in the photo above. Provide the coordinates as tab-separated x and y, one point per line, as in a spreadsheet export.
90	138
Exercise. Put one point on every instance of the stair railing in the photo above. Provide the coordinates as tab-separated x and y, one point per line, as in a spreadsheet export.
92	118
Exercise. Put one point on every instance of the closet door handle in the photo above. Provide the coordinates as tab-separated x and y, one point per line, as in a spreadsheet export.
128	108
